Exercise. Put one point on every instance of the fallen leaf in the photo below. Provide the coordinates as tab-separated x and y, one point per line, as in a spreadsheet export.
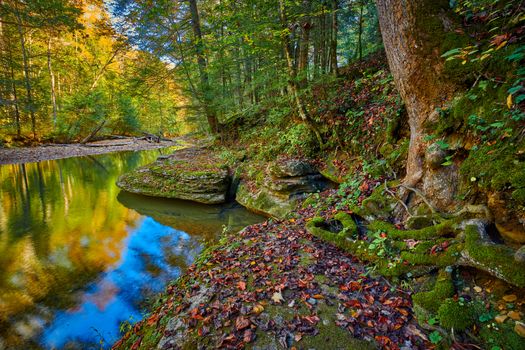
248	336
510	298
241	285
257	309
277	297
241	323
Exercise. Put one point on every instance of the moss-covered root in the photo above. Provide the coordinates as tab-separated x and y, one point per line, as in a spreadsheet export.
347	240
447	228
427	303
496	259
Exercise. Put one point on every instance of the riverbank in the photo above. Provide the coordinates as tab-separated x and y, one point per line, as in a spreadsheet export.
51	151
317	278
275	286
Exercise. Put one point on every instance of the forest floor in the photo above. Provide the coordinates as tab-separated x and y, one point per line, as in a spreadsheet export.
272	286
51	151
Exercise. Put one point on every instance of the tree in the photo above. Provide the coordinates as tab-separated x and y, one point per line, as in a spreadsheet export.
207	97
411	32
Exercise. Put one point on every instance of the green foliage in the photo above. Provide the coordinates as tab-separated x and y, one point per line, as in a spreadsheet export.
126	119
82	113
435	337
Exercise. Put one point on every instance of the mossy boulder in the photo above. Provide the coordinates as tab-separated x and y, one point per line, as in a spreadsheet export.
276	189
190	174
459	314
263	201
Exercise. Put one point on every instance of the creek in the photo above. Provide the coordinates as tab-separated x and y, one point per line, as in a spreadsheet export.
79	258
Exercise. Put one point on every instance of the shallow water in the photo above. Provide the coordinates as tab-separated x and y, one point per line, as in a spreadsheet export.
78	257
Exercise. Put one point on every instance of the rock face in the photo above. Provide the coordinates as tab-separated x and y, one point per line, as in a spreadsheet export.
190	174
284	182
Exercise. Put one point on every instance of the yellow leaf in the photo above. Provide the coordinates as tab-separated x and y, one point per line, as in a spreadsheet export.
501	45
257	309
509	101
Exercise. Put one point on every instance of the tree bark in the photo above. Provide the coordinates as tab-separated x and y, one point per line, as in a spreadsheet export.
27	78
203	69
333	39
359	51
292	74
52	84
411	39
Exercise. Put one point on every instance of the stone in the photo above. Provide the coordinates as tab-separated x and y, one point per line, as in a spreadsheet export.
297	185
508	222
519	256
435	156
515	315
292	168
262	201
510	298
501	318
519	328
284	184
478	289
192	174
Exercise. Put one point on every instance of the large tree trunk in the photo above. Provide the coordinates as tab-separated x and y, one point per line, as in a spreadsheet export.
207	99
412	33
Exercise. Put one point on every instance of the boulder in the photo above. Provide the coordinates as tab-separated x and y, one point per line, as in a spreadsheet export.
282	184
292	167
192	174
263	201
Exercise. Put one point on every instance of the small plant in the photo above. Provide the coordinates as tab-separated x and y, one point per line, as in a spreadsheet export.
379	244
435	337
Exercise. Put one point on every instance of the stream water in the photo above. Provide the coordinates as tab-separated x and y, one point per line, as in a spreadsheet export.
78	257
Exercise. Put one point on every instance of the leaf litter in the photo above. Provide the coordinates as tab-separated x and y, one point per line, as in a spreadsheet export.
276	281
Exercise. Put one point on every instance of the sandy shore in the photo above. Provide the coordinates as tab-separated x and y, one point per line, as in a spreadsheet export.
48	152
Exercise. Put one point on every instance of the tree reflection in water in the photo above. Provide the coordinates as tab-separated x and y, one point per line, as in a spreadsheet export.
75	262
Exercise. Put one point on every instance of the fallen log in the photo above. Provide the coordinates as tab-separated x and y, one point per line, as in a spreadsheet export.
93	133
107	144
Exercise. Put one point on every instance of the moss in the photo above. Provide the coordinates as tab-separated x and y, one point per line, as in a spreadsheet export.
359	248
263	202
431	300
502	336
442	229
379	204
458	314
421	255
499	259
498	167
348	222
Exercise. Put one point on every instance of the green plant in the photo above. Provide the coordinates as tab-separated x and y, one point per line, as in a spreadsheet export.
435	337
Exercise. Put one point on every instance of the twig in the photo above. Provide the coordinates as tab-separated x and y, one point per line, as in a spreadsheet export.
418	192
399	200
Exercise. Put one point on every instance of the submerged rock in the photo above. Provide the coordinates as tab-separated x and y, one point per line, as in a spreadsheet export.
191	174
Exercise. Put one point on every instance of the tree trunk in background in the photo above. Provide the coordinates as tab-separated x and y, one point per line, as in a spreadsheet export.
52	80
412	40
359	51
203	69
292	74
304	45
27	78
333	38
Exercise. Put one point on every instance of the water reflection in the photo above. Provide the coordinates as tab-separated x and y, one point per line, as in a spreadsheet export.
75	262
